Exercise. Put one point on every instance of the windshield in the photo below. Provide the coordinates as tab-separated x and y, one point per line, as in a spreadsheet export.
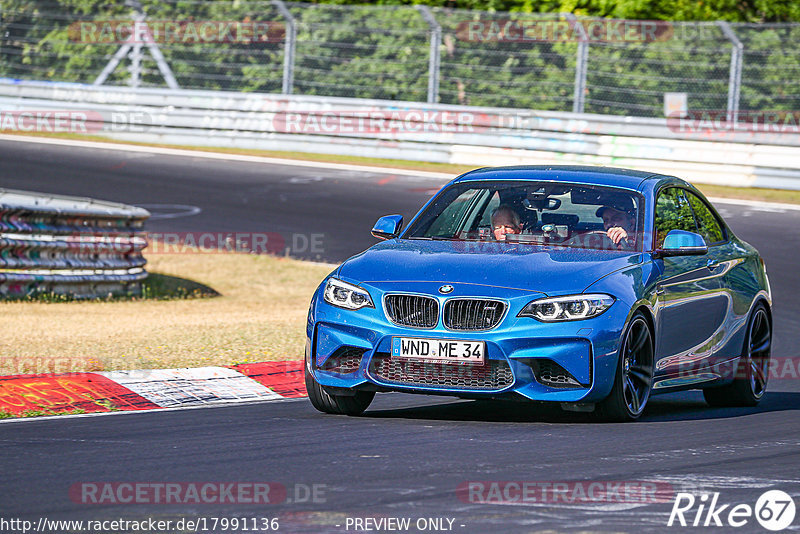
534	213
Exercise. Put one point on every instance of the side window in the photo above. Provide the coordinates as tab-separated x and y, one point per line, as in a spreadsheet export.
452	217
672	213
707	224
486	217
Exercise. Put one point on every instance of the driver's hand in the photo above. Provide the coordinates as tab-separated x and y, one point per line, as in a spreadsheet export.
617	234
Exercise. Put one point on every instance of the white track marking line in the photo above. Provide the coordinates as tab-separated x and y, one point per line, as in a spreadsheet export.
757	204
769	206
191	386
229	157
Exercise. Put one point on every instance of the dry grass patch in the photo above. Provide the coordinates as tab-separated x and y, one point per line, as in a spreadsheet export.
259	315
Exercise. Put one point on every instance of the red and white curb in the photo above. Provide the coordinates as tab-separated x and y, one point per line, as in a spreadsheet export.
150	389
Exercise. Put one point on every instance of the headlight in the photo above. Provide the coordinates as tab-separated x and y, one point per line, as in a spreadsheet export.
346	295
571	308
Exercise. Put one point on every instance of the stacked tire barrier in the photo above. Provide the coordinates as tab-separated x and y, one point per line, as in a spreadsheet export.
67	246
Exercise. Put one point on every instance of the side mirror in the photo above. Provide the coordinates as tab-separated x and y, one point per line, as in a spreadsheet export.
682	243
388	227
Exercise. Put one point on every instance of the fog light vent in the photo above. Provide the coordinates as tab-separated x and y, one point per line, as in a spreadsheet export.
549	373
344	361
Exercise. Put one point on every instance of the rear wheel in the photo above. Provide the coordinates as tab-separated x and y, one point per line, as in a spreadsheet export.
750	382
634	377
336	404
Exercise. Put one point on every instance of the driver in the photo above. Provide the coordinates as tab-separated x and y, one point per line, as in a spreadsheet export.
618	224
505	220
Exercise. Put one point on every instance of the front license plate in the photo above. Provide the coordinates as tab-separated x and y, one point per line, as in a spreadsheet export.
439	350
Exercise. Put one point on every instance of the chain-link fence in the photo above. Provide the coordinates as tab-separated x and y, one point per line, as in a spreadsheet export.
536	61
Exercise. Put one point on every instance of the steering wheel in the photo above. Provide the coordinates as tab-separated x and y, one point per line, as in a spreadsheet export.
588	238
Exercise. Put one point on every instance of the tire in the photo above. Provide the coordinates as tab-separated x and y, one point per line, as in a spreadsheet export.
633	379
750	381
336	404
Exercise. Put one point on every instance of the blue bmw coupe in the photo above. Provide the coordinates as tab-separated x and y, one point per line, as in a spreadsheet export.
590	287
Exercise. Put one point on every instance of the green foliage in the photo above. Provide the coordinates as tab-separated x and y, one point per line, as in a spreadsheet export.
40	413
707	224
683	10
379	51
679	210
164	287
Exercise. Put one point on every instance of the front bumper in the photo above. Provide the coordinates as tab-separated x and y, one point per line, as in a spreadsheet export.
560	362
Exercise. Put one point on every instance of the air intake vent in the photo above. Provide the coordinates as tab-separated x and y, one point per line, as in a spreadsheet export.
551	374
344	361
412	310
493	375
473	314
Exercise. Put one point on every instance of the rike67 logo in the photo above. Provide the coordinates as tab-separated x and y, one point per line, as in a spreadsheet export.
774	510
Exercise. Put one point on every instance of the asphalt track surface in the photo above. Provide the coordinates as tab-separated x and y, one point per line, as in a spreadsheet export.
407	455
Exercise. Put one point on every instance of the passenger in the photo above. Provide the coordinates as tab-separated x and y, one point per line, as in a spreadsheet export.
619	225
505	220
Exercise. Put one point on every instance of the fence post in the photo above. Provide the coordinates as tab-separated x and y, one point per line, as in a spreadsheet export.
579	96
433	59
141	35
735	74
112	64
288	48
136	53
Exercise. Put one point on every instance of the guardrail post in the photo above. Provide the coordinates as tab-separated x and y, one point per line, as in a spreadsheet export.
433	58
735	74
289	46
579	95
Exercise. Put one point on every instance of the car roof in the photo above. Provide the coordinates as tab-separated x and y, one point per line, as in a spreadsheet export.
608	176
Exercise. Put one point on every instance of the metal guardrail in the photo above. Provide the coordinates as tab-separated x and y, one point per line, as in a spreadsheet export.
78	247
469	135
549	61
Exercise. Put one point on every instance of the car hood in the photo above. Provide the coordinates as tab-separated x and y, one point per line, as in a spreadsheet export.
549	270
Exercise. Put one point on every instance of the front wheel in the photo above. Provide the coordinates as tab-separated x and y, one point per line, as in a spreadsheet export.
336	404
750	382
634	377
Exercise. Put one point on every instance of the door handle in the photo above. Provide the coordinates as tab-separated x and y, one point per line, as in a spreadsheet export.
712	264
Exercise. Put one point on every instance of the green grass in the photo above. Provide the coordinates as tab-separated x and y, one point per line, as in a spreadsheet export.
39	413
156	286
160	286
